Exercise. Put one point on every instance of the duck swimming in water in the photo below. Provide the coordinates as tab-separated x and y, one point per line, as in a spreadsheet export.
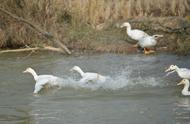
42	80
183	73
185	91
88	76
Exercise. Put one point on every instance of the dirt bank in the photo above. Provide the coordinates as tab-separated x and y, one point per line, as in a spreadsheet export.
93	25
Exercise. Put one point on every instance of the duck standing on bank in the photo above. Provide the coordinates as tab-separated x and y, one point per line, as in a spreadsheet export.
88	76
148	42
42	80
134	34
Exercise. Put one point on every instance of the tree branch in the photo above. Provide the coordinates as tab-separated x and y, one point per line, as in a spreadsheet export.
46	34
48	48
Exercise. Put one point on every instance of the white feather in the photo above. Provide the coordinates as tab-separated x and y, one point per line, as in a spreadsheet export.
88	76
42	80
134	34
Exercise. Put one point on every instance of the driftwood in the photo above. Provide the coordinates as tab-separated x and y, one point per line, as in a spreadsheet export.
47	35
49	48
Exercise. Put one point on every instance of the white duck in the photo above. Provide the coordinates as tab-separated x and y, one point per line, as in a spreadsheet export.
42	80
182	72
88	76
134	34
148	42
185	91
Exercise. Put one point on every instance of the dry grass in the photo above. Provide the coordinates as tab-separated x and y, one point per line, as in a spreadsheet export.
103	11
77	22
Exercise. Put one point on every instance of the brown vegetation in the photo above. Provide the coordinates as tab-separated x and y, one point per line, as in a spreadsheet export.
104	11
90	24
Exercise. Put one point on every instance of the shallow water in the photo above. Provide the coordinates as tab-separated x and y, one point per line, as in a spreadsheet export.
137	91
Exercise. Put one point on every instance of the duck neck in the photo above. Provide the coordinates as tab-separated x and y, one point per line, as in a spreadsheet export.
34	74
79	70
128	29
177	69
185	89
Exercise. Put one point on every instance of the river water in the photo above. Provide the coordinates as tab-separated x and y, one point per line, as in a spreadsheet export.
137	91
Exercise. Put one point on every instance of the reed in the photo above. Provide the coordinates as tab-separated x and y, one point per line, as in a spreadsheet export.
101	11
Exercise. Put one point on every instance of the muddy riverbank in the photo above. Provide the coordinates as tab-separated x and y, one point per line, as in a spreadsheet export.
94	26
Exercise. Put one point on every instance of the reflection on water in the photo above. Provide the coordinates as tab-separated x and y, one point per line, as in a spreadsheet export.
137	90
182	110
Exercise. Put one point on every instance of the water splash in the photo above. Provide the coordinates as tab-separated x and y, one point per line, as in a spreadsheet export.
120	80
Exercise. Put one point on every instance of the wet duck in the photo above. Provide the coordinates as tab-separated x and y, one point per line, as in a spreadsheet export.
184	73
42	80
185	91
88	76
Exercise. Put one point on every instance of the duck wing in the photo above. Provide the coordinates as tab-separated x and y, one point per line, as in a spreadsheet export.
148	41
41	82
47	80
137	34
185	73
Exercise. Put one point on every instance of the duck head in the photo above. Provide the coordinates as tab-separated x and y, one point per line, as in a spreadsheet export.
75	68
28	70
126	24
184	82
171	68
157	36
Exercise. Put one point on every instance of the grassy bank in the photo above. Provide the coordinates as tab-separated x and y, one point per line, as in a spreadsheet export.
92	24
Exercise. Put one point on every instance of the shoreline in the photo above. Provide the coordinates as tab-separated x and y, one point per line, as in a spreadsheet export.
93	25
82	51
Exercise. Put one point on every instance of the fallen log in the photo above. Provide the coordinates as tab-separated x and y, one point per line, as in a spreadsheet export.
48	48
46	34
